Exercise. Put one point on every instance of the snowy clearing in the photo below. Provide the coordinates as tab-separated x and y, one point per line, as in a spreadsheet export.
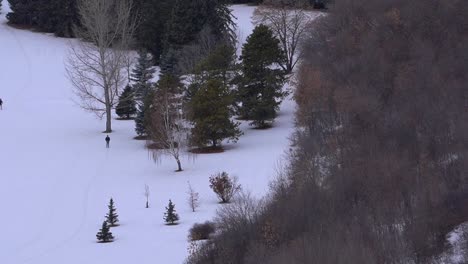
56	176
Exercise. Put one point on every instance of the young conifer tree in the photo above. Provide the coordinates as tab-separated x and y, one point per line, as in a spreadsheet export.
210	115
112	217
104	235
143	88
170	216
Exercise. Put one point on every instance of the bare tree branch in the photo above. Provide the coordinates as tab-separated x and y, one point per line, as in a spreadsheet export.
289	27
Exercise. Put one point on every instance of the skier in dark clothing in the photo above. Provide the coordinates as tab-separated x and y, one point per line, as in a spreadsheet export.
1	104
107	141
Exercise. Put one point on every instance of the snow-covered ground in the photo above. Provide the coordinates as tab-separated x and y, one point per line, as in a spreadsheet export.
56	176
455	252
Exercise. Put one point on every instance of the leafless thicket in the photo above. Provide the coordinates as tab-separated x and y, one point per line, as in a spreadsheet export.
378	169
97	64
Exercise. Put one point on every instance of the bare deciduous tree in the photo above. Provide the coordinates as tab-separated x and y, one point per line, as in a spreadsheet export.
147	194
193	198
289	26
97	64
167	127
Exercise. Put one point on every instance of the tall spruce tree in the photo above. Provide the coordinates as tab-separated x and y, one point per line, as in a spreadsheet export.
259	90
169	61
23	12
210	115
112	217
104	235
220	63
58	17
189	19
170	216
141	77
153	16
126	106
142	116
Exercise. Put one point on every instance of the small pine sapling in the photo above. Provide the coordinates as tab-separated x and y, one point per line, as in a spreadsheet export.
224	186
112	217
104	235
170	216
193	198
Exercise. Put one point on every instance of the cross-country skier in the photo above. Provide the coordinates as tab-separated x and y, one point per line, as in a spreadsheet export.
107	141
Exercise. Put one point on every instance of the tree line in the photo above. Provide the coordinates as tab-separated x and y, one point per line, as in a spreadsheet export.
378	169
178	113
161	25
202	87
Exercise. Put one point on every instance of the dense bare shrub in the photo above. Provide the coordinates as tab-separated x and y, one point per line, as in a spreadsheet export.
235	222
224	186
201	231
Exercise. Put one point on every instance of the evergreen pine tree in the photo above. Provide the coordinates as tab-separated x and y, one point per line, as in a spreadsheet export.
58	17
55	16
170	216
23	12
104	235
167	107
141	119
111	217
153	16
126	106
141	76
188	20
220	63
210	115
190	17
168	63
260	88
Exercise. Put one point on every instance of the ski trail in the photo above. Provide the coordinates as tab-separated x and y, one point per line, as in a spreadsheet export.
84	208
